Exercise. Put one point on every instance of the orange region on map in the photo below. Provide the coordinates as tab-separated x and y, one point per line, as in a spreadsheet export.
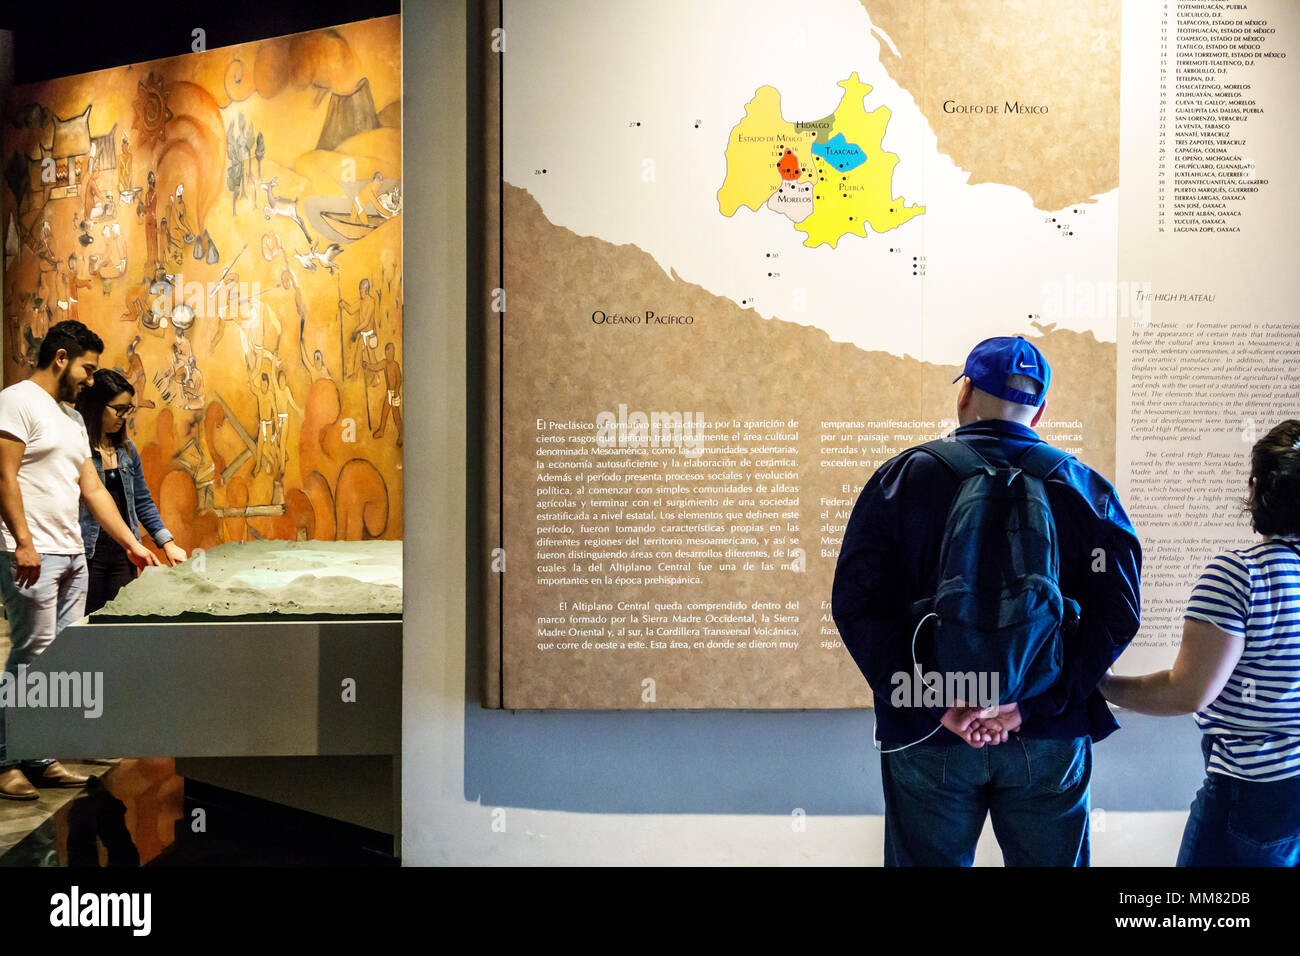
789	166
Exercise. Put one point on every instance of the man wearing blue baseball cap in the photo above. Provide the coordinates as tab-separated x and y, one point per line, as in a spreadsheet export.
997	366
988	554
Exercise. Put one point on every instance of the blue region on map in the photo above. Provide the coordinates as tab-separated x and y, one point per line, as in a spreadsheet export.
840	154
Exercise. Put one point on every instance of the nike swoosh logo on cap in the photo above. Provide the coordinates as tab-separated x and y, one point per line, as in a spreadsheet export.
1023	365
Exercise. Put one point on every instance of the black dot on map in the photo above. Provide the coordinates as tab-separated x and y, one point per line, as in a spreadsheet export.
1053	219
769	275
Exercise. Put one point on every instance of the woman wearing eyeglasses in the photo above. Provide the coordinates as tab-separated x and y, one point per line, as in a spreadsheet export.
106	406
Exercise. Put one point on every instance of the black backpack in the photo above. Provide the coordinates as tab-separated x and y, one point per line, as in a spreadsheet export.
999	607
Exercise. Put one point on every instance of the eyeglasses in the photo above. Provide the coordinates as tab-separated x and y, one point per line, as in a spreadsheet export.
123	411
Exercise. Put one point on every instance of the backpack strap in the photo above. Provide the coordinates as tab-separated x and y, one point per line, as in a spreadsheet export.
1041	460
962	460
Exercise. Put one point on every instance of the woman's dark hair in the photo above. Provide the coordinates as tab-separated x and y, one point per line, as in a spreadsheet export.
1274	503
109	383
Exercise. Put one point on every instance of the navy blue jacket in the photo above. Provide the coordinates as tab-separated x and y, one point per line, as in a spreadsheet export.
139	503
889	560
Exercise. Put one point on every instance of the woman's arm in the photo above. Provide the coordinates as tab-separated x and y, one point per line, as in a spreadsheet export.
145	509
1205	661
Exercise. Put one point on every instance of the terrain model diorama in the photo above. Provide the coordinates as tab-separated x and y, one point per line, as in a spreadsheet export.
267	579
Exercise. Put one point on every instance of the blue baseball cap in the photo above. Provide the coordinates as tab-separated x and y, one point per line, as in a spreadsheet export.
993	360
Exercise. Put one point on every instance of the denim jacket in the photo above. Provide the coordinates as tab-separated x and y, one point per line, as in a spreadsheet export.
139	503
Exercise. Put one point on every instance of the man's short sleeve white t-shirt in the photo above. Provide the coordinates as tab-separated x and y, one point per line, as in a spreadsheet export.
50	474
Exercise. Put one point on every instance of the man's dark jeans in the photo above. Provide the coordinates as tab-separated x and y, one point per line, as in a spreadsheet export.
937	796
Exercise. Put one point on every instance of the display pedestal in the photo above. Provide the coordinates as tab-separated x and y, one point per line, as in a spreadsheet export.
291	689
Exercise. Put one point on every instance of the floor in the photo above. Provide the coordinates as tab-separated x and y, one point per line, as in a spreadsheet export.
125	816
19	818
137	812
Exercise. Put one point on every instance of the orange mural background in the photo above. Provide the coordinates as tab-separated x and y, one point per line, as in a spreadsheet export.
252	295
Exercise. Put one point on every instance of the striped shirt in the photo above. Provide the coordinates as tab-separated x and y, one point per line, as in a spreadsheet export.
1254	723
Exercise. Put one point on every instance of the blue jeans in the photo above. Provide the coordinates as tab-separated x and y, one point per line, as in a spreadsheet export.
1242	822
38	614
937	796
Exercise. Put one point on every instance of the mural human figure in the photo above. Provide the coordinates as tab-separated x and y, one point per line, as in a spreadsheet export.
319	369
364	337
28	348
290	281
47	261
175	243
188	374
229	306
124	167
182	386
90	190
393	380
283	401
259	326
170	381
267	418
369	195
154	315
151	224
136	375
113	263
178	216
75	283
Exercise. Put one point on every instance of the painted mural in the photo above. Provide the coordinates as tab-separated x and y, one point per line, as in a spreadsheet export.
230	223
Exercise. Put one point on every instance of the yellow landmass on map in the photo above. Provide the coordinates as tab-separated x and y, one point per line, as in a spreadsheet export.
846	202
756	145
